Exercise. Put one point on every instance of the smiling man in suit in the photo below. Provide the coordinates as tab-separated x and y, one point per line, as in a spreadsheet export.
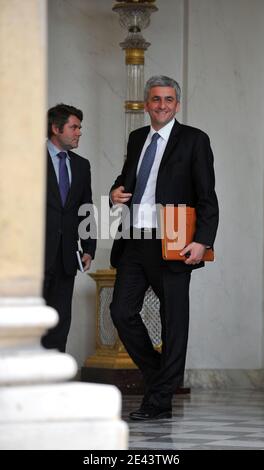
68	187
167	163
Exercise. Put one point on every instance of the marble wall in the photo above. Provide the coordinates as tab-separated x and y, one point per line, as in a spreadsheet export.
213	48
225	77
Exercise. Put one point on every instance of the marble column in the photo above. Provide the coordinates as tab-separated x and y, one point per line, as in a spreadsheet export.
38	410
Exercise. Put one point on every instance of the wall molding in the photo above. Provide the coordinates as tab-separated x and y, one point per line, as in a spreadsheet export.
225	378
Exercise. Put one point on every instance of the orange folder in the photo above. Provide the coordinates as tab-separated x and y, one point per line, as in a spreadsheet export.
178	229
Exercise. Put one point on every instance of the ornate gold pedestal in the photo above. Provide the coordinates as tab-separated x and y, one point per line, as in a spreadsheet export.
109	351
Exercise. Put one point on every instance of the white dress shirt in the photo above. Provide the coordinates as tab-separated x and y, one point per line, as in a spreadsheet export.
146	215
53	151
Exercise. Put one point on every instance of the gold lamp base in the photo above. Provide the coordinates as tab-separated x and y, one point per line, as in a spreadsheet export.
109	351
110	364
115	359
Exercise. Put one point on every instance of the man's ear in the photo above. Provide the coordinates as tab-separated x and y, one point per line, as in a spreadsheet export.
178	107
55	129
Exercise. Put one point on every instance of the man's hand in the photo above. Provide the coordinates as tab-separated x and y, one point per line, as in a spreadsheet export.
196	251
118	195
86	259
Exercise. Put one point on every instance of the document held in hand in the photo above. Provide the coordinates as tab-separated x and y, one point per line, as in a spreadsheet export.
177	231
79	259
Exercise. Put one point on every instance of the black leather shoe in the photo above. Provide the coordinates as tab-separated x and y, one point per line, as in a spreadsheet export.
148	412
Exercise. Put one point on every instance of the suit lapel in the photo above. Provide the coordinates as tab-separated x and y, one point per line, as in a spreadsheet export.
137	149
138	146
74	177
173	139
52	179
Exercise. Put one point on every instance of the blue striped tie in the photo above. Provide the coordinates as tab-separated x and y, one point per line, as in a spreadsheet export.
64	182
144	170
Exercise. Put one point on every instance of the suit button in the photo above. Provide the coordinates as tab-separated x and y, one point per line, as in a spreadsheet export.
59	231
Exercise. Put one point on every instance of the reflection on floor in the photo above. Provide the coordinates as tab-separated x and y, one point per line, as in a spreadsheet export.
202	420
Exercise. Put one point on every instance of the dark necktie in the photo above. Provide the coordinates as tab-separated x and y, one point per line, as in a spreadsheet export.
144	170
64	182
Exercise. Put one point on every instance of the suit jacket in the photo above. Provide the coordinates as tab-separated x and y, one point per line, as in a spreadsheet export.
185	176
62	222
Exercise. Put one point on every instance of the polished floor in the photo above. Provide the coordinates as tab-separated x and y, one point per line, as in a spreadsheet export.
214	420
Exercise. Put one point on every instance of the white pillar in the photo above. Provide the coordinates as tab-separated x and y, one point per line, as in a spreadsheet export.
37	410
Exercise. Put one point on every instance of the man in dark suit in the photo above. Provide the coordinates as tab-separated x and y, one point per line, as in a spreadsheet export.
68	187
181	172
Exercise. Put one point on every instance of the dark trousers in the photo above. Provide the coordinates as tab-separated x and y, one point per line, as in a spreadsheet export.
142	266
57	291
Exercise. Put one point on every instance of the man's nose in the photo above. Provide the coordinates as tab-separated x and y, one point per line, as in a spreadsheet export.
162	104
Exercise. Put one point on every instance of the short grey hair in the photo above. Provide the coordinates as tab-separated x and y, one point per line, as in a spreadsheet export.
162	80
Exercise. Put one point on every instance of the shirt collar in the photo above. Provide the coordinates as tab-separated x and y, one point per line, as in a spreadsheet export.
165	131
53	150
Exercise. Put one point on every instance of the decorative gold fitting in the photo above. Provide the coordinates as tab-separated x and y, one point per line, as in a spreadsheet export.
135	56
134	105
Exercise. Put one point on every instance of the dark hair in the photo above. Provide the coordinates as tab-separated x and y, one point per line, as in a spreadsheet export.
162	80
60	114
